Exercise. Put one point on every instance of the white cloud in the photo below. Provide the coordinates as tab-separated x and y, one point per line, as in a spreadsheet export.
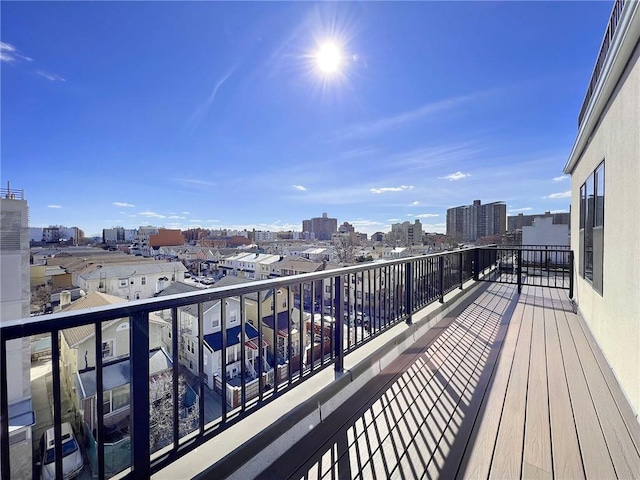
178	217
425	215
566	194
51	76
415	204
561	178
391	189
123	204
9	54
393	220
151	215
54	206
191	181
525	209
300	187
455	176
186	213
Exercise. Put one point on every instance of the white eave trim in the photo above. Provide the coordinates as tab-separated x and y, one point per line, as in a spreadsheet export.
622	47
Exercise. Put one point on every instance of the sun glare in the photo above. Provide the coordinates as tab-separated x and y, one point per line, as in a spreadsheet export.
329	58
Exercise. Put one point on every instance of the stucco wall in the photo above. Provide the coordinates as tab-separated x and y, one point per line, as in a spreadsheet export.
614	316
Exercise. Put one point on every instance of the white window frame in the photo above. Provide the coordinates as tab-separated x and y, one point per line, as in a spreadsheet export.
106	341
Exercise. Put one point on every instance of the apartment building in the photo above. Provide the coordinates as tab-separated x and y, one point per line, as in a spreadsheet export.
471	222
605	174
322	228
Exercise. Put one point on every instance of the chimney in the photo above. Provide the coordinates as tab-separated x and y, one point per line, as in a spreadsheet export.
65	298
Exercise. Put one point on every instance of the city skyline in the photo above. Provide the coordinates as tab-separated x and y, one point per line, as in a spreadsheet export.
219	116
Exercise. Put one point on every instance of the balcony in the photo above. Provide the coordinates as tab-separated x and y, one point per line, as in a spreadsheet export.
494	375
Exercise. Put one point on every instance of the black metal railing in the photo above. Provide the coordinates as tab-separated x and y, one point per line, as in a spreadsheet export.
612	26
550	267
238	346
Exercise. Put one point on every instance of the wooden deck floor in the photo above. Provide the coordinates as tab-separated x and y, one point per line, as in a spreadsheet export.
511	387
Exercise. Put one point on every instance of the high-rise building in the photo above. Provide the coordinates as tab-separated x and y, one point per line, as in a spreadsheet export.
471	222
322	227
15	302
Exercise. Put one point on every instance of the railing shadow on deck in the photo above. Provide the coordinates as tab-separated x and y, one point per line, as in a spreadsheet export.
360	436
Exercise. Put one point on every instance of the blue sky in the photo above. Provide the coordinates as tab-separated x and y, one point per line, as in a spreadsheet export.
183	114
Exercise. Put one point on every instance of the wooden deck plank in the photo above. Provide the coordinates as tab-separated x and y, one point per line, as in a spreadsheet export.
566	455
631	421
476	460
507	456
595	455
536	463
464	417
622	450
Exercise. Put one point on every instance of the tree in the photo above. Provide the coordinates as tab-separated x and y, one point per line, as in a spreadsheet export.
161	410
345	247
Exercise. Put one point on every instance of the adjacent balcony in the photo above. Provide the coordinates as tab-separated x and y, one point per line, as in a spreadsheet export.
469	363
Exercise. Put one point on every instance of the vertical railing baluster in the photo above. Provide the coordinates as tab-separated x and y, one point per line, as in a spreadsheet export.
243	357
313	326
338	322
408	281
139	365
441	269
276	347
301	330
57	401
461	268
519	269
289	340
223	356
201	395
175	361
5	466
571	272
261	367
99	400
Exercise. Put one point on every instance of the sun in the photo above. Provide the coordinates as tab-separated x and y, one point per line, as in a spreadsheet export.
328	58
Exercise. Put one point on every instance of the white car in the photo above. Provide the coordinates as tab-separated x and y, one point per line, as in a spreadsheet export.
72	461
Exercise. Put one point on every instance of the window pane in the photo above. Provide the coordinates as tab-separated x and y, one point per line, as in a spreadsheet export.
120	397
588	231
583	204
599	220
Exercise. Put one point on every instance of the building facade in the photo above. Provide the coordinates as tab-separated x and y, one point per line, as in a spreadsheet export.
605	174
15	299
322	228
471	222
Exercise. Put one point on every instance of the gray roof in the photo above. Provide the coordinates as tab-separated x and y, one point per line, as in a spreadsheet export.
178	287
126	270
118	373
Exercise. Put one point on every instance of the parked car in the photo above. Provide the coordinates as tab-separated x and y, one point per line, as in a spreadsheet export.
72	462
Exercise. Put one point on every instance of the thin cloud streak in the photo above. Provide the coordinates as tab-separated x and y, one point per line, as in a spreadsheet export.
54	206
201	110
123	204
51	76
561	178
397	121
9	54
391	189
553	196
452	177
300	187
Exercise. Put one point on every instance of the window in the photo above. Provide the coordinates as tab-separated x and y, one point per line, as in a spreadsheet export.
173	277
233	317
215	323
123	282
106	402
143	280
119	397
107	349
327	289
591	240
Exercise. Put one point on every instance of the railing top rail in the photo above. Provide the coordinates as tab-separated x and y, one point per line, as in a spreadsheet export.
63	320
605	45
12	193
